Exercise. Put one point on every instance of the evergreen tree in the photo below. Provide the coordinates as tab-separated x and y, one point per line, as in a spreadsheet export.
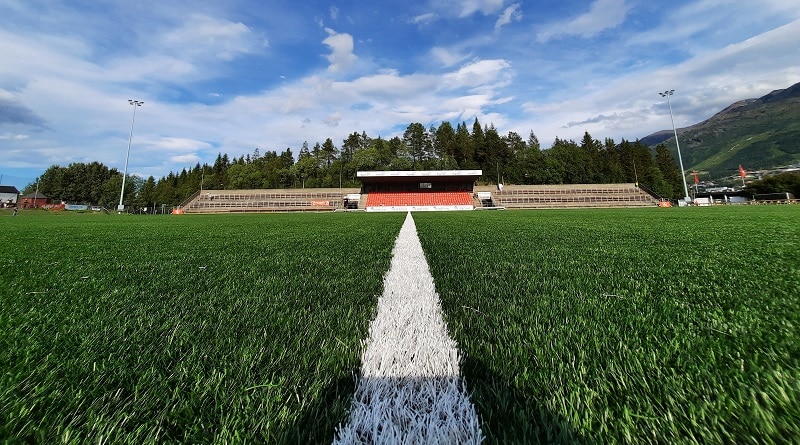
496	153
146	196
415	143
317	155
444	141
533	166
384	152
478	144
673	187
350	146
395	147
465	149
533	142
572	162
329	151
514	169
304	151
591	149
611	170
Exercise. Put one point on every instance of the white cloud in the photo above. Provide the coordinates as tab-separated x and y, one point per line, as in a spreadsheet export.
423	18
447	57
511	13
315	108
334	13
79	85
341	45
202	36
480	74
190	158
390	84
487	7
628	106
333	120
603	14
13	137
704	25
459	9
180	144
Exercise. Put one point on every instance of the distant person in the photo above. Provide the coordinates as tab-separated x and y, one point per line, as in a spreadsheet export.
14	213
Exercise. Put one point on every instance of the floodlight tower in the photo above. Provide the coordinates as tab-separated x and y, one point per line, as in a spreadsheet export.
667	94
136	104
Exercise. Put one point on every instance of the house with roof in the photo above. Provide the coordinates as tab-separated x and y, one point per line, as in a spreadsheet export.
8	196
33	200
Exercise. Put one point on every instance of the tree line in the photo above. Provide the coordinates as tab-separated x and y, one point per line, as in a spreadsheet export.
780	183
503	158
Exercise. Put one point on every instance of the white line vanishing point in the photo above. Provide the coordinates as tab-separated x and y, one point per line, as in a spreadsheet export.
410	391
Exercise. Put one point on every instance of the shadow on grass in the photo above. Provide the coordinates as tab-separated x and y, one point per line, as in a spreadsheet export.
510	415
318	421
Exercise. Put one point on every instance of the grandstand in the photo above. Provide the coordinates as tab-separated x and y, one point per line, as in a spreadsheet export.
274	200
420	199
401	191
565	196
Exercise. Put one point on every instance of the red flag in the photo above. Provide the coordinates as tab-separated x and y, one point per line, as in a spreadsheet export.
696	179
742	173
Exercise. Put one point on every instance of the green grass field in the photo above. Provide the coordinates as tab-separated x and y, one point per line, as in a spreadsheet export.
597	326
618	326
197	329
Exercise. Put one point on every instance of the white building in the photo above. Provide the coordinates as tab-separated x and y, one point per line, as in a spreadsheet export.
8	195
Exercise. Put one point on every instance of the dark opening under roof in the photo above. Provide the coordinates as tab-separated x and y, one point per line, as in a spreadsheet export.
404	176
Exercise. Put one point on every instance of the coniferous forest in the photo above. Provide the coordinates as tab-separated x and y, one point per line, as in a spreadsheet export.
508	158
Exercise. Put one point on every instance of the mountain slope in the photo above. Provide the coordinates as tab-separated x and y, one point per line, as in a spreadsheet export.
755	133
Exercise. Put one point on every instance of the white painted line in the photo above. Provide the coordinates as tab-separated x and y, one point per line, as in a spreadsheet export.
410	390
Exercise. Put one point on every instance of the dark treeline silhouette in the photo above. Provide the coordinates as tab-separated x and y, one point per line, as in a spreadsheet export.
506	158
787	182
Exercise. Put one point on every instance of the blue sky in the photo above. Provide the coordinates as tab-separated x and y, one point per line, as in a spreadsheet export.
227	77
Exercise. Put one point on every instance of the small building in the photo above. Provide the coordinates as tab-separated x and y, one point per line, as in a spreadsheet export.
8	196
721	195
33	200
405	191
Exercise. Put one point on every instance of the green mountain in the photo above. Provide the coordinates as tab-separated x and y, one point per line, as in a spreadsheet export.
757	134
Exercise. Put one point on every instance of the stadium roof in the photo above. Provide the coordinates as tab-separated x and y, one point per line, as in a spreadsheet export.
418	175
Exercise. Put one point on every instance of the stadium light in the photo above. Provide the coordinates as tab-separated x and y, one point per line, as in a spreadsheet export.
135	103
667	94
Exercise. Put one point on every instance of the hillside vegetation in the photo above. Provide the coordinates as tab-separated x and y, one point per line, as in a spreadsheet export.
758	134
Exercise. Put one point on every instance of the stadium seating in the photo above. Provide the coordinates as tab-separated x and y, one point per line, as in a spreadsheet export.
569	196
511	197
286	200
445	200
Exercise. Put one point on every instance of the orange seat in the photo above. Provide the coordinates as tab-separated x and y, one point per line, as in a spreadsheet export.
404	199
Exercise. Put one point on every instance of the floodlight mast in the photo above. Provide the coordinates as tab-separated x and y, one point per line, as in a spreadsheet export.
667	94
135	103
